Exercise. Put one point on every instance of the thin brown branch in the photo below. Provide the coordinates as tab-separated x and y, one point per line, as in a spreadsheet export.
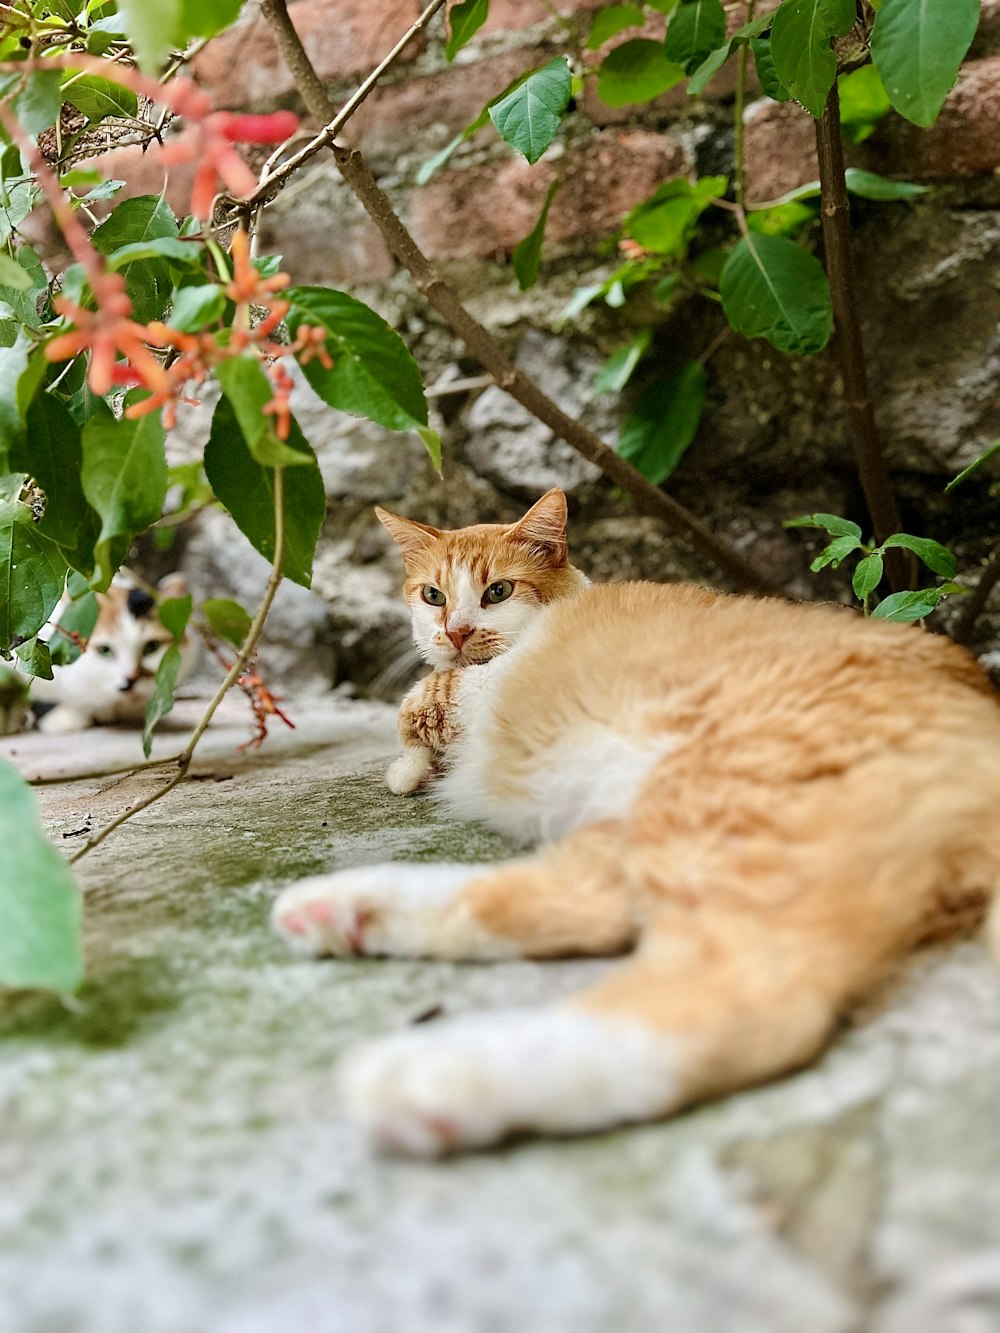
974	605
487	351
867	444
235	671
314	93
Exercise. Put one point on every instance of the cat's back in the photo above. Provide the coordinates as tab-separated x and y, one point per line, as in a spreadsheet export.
614	650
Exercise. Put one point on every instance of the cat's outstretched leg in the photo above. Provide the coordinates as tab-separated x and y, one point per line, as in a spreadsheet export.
572	898
702	1009
427	726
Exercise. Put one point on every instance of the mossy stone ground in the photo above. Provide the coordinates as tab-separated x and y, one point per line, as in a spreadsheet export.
173	1160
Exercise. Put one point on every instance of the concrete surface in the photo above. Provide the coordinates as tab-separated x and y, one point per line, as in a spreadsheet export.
172	1159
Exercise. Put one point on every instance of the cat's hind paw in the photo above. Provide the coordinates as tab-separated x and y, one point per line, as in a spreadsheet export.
473	1081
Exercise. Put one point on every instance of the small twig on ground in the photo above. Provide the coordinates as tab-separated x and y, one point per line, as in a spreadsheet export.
648	498
243	657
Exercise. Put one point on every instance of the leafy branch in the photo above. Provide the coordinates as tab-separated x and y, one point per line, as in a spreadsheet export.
239	666
480	344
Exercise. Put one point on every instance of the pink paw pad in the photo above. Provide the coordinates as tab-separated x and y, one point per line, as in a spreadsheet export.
319	913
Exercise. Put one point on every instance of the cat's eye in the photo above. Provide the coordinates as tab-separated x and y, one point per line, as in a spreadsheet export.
432	596
151	646
498	592
105	650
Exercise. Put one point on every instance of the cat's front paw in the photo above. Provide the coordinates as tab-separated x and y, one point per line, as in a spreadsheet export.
62	720
391	909
410	771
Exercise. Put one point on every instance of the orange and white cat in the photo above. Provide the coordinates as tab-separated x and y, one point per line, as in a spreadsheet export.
764	804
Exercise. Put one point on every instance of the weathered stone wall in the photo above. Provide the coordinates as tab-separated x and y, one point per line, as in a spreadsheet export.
772	442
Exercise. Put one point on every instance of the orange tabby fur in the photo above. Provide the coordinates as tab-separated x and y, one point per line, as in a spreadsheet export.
780	801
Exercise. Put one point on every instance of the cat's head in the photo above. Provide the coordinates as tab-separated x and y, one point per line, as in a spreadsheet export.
128	640
473	591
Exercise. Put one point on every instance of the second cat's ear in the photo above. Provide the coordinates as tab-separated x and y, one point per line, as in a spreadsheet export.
172	585
545	524
407	535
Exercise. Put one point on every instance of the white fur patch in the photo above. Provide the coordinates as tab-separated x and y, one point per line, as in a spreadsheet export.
413	767
474	1080
408	911
594	773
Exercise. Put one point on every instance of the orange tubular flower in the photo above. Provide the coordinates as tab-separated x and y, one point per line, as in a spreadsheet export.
107	332
208	139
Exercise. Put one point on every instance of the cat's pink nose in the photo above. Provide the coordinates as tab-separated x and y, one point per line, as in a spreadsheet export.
459	633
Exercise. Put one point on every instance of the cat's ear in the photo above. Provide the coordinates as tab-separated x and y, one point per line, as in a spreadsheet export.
407	535
544	524
172	585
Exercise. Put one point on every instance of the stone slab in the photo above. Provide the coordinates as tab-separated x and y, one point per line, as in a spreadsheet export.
173	1159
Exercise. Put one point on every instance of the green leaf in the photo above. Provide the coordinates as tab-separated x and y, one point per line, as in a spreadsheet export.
96	97
834	553
863	103
124	478
664	223
974	466
804	61
246	488
162	699
610	22
527	254
867	576
464	21
781	219
772	288
918	47
657	433
528	118
31	284
763	59
139	221
204	18
13	275
152	29
22	370
249	391
373	373
707	70
636	71
227	619
696	29
617	370
192	308
50	452
77	617
17	199
37	107
32	575
935	556
159	247
174	614
906	607
41	909
831	523
36	658
869	185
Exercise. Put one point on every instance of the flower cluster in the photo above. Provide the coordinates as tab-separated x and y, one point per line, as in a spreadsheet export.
207	139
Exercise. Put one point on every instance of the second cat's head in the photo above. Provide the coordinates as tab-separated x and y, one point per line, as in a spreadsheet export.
473	591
